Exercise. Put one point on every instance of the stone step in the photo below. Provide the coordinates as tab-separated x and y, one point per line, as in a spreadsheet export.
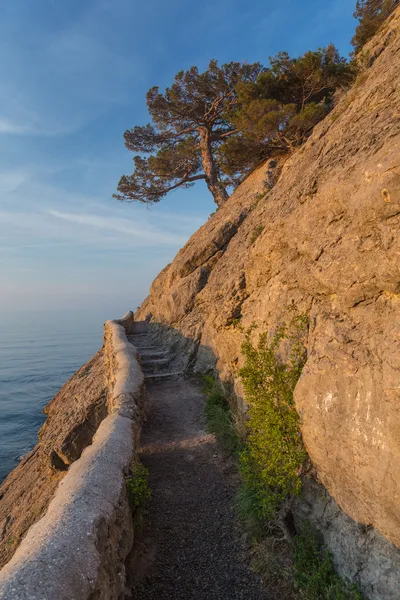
148	348
150	354
154	365
140	344
149	377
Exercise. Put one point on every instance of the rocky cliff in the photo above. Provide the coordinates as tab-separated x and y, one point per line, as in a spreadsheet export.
65	519
73	417
325	240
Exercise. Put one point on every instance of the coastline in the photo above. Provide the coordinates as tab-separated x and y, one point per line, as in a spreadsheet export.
72	454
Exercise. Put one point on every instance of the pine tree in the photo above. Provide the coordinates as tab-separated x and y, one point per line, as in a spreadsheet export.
370	14
278	111
190	120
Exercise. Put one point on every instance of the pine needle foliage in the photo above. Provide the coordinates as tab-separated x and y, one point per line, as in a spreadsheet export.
278	112
189	122
371	14
219	124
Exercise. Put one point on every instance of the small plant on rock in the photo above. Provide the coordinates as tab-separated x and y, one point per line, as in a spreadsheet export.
257	231
314	571
139	492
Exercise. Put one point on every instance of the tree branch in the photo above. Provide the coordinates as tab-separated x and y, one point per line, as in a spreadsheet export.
215	137
148	194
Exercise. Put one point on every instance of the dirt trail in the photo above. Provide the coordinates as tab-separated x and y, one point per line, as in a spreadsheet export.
190	546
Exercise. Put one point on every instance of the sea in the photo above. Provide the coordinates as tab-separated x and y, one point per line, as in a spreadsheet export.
39	351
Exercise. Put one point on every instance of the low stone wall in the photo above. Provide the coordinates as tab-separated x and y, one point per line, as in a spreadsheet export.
78	549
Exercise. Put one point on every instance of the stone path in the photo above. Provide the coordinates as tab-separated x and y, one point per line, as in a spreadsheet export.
190	547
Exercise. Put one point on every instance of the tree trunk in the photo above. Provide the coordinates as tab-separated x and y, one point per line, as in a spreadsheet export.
211	172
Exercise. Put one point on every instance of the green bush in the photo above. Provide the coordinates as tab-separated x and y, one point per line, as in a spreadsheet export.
272	459
219	417
314	571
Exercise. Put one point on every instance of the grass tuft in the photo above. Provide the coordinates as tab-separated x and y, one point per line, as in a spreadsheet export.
138	491
314	571
219	417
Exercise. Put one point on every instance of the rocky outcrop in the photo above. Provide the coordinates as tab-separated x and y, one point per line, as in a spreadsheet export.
83	532
325	240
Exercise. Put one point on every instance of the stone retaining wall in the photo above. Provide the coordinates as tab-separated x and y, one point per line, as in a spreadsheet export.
78	549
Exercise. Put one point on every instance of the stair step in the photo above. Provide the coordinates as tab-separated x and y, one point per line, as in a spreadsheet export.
162	376
154	366
148	348
150	354
139	344
154	361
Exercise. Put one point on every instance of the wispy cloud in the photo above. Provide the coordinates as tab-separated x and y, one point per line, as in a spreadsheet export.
141	233
75	75
11	180
7	126
24	126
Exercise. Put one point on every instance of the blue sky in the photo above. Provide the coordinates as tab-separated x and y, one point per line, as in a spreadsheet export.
73	78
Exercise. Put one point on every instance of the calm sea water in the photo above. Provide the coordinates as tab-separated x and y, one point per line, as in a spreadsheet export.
38	353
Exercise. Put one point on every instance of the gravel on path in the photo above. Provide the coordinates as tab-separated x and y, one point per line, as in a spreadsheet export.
191	546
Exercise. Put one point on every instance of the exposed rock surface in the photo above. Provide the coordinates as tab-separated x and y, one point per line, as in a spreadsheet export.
325	240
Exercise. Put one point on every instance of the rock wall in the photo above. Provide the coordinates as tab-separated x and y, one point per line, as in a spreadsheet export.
83	533
325	240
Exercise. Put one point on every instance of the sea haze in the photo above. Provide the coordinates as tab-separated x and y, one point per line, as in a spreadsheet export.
39	351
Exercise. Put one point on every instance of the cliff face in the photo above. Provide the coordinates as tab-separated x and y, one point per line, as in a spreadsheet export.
326	240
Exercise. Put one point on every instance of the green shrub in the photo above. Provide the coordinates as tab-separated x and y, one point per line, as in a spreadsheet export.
272	459
219	417
235	323
257	231
314	571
